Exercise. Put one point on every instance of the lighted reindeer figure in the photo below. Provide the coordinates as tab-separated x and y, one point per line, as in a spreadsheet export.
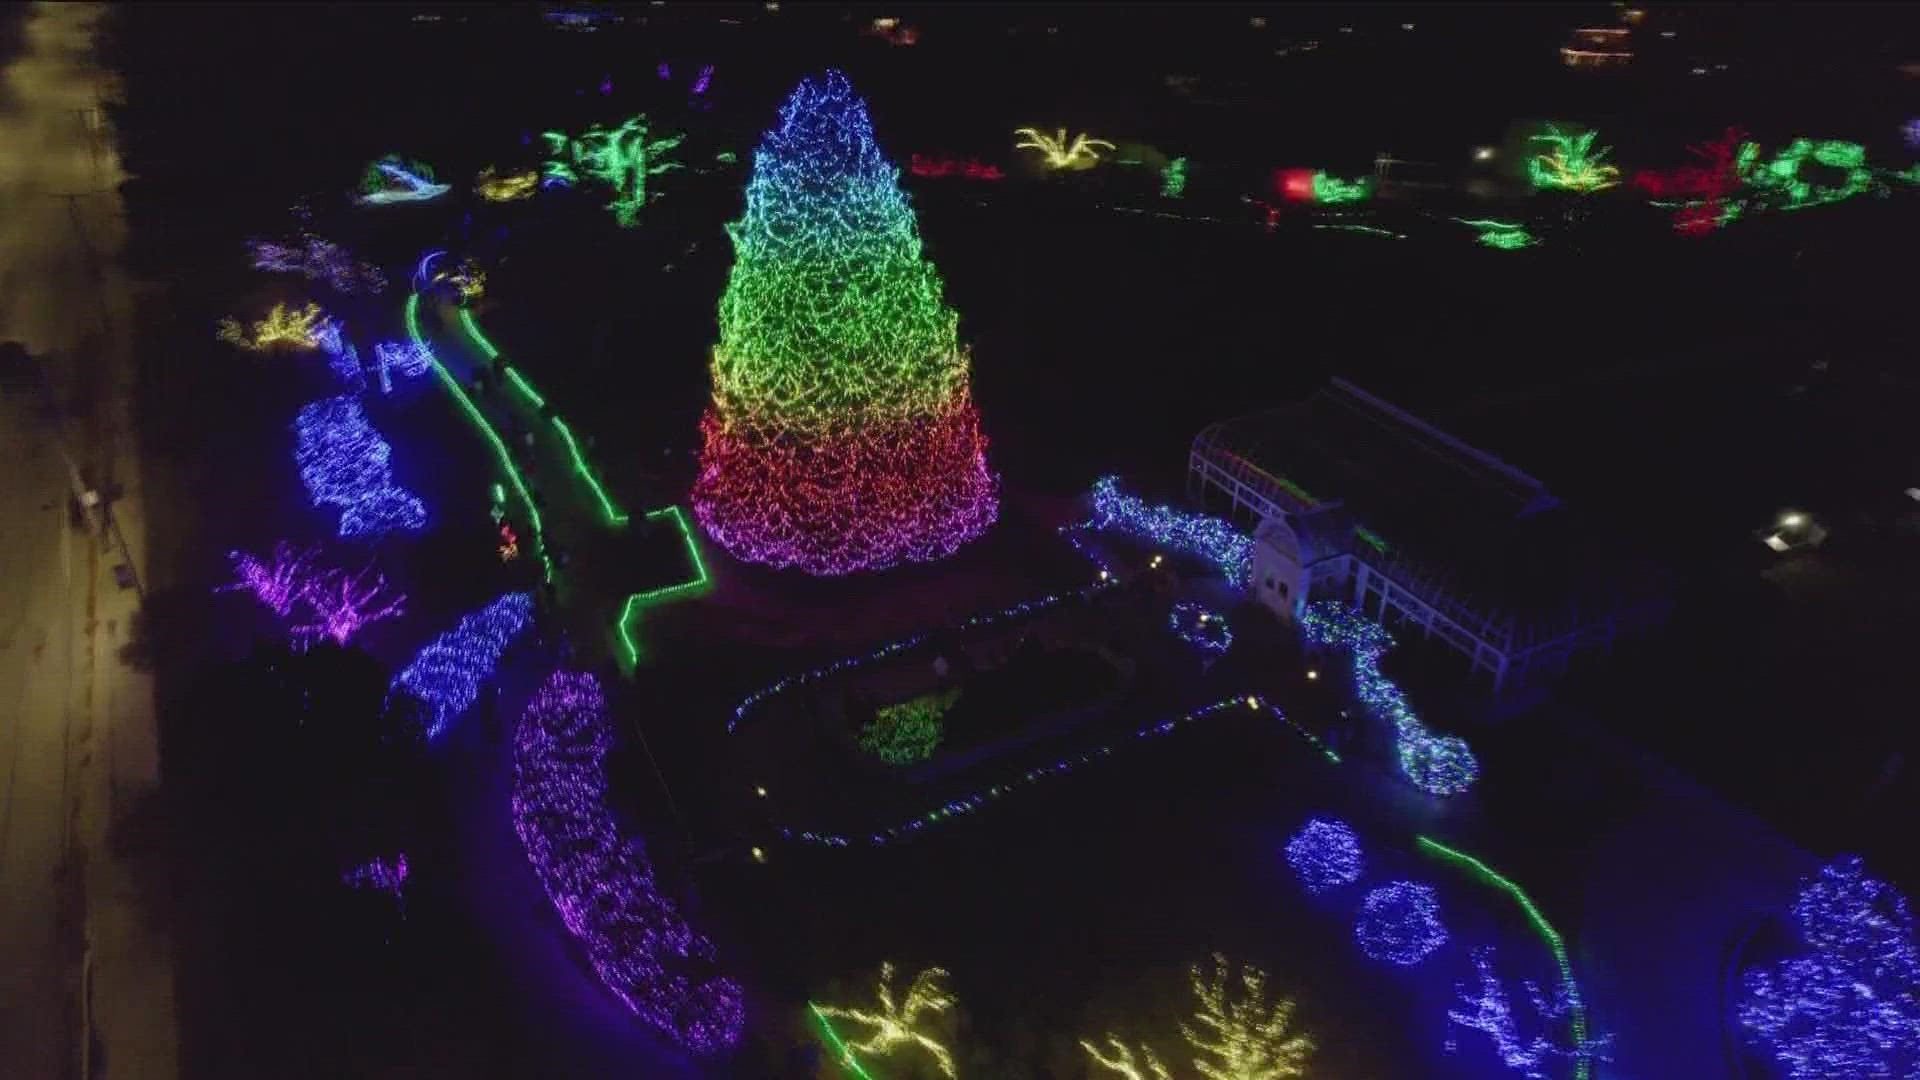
894	1024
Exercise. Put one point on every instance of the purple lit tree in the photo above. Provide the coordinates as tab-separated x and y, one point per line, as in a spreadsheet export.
342	603
277	583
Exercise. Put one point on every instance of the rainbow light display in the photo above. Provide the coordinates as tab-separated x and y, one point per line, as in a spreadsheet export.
445	676
1436	764
345	463
394	180
1400	923
842	434
1325	854
601	882
1572	164
1490	1010
1850	1004
1210	538
319	260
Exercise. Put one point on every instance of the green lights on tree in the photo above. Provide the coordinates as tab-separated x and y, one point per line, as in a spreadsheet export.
1572	164
1173	179
1331	190
1783	183
622	159
1501	235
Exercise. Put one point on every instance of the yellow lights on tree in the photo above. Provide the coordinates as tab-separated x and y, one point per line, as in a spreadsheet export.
1123	1061
1081	153
1573	164
894	1024
1244	1039
509	188
294	329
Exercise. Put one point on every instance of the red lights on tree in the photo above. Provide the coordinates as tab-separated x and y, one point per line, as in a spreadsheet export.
1706	185
935	168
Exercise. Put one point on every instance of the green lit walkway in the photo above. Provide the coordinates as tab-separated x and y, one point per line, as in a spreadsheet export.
581	513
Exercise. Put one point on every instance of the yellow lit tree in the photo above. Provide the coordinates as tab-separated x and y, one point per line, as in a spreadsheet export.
1123	1061
1081	153
894	1024
294	329
1244	1039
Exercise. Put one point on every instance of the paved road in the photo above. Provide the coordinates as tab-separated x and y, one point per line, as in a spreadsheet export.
85	982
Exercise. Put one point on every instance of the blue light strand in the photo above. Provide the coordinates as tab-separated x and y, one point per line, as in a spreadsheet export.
1325	854
1436	764
1850	1004
895	648
1205	630
1209	538
346	464
1399	923
979	800
446	674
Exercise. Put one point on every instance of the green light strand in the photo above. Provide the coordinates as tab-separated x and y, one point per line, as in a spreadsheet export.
1371	539
639	602
842	1052
1371	230
615	515
1583	1066
479	418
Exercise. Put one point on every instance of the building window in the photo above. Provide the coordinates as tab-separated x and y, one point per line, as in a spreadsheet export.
1283	590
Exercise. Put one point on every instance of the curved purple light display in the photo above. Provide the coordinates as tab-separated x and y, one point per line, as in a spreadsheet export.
602	884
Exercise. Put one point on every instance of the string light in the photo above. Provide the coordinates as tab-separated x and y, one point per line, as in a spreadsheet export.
1370	230
1332	191
842	435
1850	1004
894	648
345	463
601	882
980	799
1325	854
406	358
393	180
1436	764
640	601
1173	179
318	260
381	875
909	731
412	317
1058	153
468	279
1577	1011
512	187
934	168
1200	628
277	583
896	1026
1572	164
1490	1011
1123	1061
1399	923
702	81
343	603
1779	181
841	1051
622	159
294	329
446	674
1210	538
1244	1039
1707	187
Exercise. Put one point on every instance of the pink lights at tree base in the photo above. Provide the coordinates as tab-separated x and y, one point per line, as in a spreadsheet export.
914	493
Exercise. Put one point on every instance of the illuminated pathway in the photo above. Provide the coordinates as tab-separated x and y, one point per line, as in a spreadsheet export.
600	518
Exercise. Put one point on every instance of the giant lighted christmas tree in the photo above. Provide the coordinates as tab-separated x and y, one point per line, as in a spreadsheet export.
842	434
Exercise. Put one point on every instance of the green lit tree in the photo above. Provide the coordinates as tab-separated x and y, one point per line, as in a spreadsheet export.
621	158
